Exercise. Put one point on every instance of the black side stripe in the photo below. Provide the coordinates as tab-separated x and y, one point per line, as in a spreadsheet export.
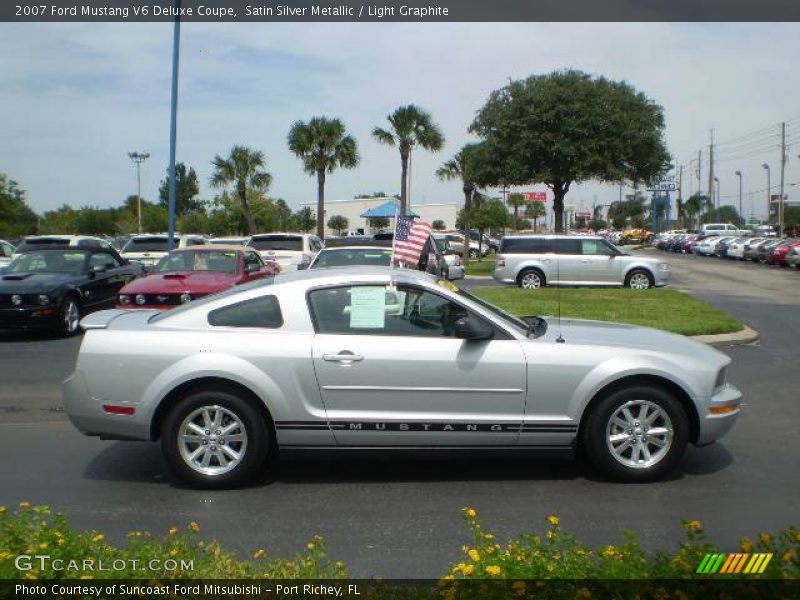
427	427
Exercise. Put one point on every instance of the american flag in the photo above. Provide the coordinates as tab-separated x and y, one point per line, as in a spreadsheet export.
409	240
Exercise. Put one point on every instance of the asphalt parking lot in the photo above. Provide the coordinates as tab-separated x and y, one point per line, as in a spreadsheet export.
401	518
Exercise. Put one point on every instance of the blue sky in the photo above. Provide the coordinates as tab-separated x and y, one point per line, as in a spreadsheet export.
76	98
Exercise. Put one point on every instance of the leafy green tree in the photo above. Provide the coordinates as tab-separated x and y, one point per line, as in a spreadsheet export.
62	220
694	206
515	201
460	167
568	127
438	225
597	224
791	214
244	169
194	221
723	214
284	214
92	220
16	217
338	223
379	223
186	190
154	218
411	127
323	145
491	215
535	211
305	219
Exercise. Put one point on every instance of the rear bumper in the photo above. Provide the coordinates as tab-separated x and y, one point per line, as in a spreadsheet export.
714	426
28	318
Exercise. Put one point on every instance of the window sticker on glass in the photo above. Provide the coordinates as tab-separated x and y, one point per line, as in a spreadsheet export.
367	307
448	285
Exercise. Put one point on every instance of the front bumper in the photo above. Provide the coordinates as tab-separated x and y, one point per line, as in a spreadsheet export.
714	426
661	277
28	317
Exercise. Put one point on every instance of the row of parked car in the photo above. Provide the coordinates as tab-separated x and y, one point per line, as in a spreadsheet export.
768	250
52	281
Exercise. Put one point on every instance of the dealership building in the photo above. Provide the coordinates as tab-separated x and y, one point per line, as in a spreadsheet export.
355	210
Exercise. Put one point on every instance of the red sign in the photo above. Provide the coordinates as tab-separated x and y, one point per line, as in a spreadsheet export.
535	196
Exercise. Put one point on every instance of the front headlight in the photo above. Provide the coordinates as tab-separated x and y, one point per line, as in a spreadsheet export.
140	299
663	266
16	299
44	300
124	299
186	298
720	382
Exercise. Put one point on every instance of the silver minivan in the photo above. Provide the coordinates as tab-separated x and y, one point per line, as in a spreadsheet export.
534	261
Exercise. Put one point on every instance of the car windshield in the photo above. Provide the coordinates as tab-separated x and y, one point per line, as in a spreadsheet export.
341	257
146	244
278	242
224	261
441	244
68	261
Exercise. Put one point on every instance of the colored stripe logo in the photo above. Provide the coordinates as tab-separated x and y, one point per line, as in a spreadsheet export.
730	564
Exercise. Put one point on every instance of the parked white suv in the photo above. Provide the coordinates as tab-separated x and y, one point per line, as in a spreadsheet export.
720	229
148	249
43	242
535	261
289	250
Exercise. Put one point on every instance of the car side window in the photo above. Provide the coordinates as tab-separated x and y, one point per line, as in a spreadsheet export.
195	242
263	313
567	246
376	310
103	260
252	259
595	248
6	250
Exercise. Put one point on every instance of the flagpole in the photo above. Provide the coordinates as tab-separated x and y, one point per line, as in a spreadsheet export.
394	242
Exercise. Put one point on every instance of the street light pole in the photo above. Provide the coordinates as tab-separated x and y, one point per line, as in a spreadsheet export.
741	215
769	191
173	128
715	197
138	158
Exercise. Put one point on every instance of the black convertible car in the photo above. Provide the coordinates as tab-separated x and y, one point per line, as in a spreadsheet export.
54	288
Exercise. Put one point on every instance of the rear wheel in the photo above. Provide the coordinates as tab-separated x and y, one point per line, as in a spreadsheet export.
639	279
531	279
69	317
638	433
215	439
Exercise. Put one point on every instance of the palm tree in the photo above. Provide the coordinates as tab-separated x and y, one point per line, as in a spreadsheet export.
323	145
411	127
460	167
694	206
515	201
244	169
537	210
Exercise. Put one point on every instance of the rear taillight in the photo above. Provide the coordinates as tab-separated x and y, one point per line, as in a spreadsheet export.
114	409
501	261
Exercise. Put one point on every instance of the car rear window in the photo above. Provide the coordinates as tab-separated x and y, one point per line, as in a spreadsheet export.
263	313
42	243
342	257
532	245
278	242
146	244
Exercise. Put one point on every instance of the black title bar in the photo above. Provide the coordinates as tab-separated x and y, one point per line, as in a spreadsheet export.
404	11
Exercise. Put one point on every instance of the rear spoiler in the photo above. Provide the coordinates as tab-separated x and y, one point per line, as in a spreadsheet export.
101	319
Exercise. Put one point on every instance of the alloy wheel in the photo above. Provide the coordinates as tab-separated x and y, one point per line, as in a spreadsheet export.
639	434
639	281
212	440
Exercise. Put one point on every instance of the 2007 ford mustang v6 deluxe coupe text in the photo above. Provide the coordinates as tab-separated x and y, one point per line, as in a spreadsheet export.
360	358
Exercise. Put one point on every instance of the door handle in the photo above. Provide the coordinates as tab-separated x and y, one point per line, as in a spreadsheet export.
342	357
586	260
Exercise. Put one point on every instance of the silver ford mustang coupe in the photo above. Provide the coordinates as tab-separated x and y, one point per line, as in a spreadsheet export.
360	358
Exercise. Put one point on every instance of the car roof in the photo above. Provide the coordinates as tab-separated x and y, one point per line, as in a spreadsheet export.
214	248
355	273
554	236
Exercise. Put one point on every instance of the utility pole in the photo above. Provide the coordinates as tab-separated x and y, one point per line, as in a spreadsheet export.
741	214
711	168
138	158
699	171
769	193
173	125
783	176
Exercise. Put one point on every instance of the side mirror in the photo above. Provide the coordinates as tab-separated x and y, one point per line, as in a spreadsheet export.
99	269
471	328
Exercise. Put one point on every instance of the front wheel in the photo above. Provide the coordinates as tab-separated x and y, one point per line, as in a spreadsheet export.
215	439
639	280
531	279
636	434
69	317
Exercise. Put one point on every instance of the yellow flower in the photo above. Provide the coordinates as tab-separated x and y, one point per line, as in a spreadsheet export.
448	577
61	541
551	534
490	550
474	554
468	569
609	552
583	593
310	545
2	510
5	555
789	556
24	504
194	526
693	525
259	554
488	536
43	546
87	576
765	539
98	538
493	570
746	545
554	520
173	530
173	552
30	576
471	512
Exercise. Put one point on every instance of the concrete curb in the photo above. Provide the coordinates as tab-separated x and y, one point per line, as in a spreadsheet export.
476	277
738	338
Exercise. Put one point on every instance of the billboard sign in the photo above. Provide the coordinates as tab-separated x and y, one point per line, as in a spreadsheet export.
535	196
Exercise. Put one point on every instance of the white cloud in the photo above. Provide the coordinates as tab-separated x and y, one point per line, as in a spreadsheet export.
76	98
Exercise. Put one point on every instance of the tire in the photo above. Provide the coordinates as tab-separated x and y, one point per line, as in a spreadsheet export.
249	436
69	316
629	463
473	253
639	279
531	279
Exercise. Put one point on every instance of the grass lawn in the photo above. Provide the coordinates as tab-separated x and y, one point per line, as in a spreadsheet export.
660	308
484	267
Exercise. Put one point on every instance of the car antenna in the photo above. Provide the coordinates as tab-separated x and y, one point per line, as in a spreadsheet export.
560	339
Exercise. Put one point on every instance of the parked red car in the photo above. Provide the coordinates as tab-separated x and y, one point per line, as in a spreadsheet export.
779	254
190	273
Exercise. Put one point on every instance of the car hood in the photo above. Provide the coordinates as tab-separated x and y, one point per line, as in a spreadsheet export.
601	333
34	283
205	282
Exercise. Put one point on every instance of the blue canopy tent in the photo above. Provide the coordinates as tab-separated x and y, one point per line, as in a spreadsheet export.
387	210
